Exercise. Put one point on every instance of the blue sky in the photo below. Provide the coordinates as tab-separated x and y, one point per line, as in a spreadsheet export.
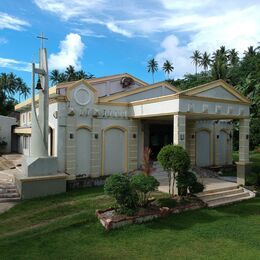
107	37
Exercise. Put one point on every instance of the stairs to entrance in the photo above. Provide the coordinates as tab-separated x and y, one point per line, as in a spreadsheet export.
8	192
226	195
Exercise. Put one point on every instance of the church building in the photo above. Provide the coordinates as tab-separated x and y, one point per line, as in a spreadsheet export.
100	126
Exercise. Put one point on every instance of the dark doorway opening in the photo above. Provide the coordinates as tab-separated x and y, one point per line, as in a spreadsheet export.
160	135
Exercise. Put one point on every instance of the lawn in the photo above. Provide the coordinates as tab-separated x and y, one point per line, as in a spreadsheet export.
65	227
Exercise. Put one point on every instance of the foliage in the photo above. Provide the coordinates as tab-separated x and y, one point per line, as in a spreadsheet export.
174	159
196	187
10	85
147	164
119	187
185	180
143	185
167	67
152	67
196	58
70	74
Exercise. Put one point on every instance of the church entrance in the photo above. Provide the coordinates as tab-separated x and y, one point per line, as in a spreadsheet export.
159	136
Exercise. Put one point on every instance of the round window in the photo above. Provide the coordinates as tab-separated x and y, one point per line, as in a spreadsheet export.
82	96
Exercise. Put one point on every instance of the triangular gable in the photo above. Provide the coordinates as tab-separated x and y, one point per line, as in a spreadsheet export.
119	96
117	76
218	89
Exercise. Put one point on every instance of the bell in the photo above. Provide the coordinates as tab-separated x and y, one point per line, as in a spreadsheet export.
38	85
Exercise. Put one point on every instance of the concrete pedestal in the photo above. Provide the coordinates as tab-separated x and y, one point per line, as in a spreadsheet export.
243	168
40	178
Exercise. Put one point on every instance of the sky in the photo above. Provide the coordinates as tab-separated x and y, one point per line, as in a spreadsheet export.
106	37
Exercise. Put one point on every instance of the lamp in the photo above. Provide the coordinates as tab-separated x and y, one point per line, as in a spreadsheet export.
39	85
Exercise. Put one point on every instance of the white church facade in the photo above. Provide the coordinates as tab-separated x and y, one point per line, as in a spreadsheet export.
100	126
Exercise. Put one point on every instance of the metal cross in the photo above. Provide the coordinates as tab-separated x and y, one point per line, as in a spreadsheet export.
42	38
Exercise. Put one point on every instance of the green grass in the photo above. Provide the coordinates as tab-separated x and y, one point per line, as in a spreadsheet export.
65	227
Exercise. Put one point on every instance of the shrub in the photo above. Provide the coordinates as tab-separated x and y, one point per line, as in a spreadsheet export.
196	187
174	159
118	186
143	185
185	181
188	180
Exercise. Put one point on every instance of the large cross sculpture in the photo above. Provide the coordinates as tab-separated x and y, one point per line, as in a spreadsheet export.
42	38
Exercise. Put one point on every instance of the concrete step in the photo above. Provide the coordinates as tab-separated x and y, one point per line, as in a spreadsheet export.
10	195
3	200
8	190
7	186
218	190
220	194
229	199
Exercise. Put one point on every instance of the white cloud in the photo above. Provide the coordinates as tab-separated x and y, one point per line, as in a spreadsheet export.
88	32
71	52
178	55
15	64
10	22
205	25
116	29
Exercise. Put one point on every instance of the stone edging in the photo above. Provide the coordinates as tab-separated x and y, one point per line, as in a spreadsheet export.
162	212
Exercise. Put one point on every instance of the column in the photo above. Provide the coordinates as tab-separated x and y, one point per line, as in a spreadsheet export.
243	165
179	136
191	141
95	148
179	130
132	145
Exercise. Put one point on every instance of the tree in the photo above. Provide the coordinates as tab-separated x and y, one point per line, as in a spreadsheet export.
152	67
10	85
174	160
251	51
70	73
233	57
55	77
168	67
196	57
205	61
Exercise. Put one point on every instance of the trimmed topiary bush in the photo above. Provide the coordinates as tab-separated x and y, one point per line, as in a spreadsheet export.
174	159
184	181
118	186
196	187
143	185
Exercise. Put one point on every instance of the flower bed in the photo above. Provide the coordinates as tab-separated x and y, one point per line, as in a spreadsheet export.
111	220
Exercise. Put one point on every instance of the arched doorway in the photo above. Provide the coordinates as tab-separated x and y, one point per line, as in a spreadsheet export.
222	147
114	150
203	148
83	151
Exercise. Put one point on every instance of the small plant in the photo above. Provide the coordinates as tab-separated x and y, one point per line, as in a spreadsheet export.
147	165
174	159
143	185
196	187
188	181
118	186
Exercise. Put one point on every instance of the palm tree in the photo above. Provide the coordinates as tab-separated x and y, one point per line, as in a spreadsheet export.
251	51
233	57
152	67
167	67
205	61
55	77
70	73
196	57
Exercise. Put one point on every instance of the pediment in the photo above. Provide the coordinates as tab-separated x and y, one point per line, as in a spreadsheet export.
218	89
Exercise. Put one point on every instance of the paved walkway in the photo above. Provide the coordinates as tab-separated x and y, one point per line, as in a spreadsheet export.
210	183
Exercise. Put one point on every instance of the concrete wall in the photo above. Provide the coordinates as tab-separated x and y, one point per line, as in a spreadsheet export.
6	124
107	88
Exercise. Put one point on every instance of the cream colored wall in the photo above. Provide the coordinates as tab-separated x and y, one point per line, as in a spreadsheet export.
112	86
